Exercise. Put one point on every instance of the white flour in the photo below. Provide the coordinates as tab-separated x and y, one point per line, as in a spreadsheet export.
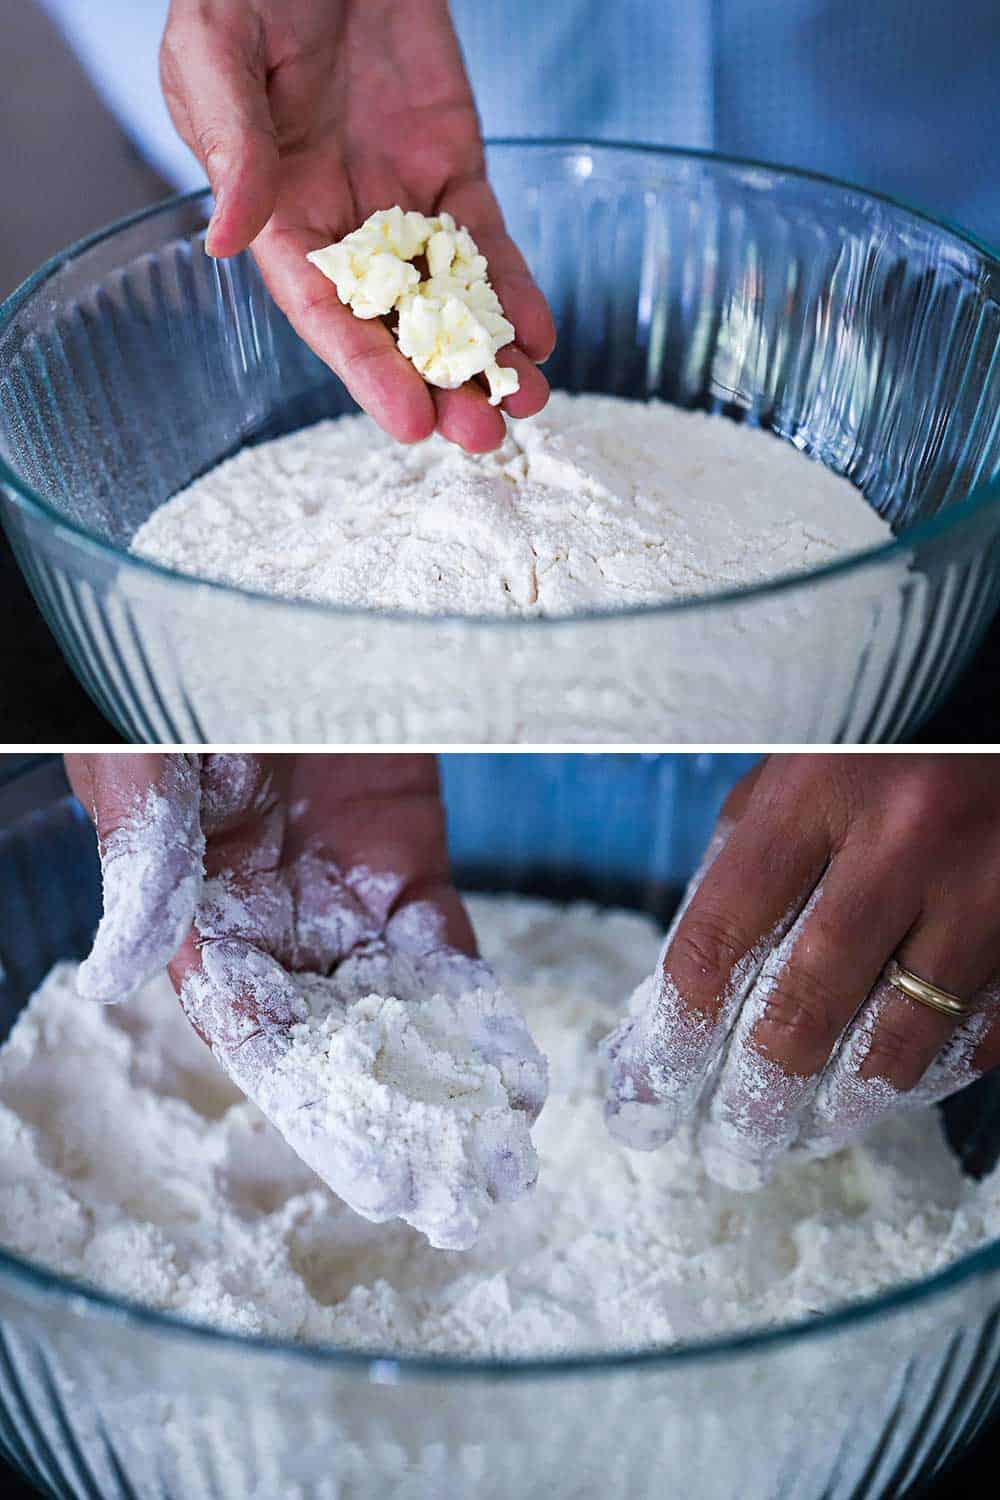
129	1159
597	502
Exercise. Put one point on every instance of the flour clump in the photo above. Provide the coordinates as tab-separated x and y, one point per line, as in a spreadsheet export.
595	503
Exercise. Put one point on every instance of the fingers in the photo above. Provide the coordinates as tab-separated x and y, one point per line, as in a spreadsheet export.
847	1103
909	1035
473	204
146	811
362	352
214	79
379	820
235	788
466	418
900	1053
754	888
640	1106
808	992
242	1003
533	391
738	800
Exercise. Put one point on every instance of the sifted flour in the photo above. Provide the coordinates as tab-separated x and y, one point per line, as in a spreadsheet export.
597	502
128	1158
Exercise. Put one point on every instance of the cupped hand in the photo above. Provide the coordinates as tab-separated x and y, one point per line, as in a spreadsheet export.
241	872
308	115
318	854
772	1022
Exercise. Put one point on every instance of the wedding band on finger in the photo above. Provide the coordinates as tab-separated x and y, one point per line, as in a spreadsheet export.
925	993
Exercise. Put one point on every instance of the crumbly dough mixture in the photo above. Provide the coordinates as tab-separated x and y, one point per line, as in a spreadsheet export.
595	503
450	323
128	1158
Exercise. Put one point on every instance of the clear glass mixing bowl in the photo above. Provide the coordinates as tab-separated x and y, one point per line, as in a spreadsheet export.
862	332
100	1399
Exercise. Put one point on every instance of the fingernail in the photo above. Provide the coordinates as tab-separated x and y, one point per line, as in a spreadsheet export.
213	224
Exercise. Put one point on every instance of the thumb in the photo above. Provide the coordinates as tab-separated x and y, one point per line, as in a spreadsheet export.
146	811
214	80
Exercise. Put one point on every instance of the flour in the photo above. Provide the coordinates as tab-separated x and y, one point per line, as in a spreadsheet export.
128	1158
595	503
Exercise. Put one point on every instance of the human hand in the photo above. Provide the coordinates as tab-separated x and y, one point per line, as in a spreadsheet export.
268	820
239	872
772	1022
308	115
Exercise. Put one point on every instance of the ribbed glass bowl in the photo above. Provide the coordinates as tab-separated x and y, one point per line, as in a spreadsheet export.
862	332
99	1399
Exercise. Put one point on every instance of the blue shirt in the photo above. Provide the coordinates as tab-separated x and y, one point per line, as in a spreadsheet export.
898	95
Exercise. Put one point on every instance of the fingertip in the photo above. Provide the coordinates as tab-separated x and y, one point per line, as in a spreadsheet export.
245	192
533	392
466	418
414	423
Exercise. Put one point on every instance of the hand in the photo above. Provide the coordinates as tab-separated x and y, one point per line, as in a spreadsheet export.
336	865
772	1023
274	822
307	116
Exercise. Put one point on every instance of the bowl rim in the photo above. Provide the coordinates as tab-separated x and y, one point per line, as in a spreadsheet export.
391	1366
899	548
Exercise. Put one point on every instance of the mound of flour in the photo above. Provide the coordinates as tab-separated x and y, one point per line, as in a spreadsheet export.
128	1158
597	502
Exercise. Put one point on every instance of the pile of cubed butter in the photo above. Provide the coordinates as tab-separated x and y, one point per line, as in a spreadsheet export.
450	323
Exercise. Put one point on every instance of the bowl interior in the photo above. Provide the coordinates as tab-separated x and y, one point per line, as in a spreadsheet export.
856	329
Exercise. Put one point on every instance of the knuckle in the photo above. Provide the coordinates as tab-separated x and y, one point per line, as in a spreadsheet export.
927	802
209	142
894	1055
802	1013
703	954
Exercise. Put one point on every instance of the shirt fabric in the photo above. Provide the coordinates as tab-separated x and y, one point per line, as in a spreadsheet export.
897	95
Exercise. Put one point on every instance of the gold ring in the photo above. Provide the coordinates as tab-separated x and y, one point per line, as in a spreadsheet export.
915	988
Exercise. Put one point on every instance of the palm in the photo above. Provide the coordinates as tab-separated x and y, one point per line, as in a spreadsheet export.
370	106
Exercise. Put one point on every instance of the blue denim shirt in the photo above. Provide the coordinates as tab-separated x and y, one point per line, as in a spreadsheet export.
898	95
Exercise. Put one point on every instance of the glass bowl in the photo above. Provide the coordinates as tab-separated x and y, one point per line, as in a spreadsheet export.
102	1399
862	332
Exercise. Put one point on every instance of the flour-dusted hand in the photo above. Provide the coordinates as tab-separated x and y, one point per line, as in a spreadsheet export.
775	1019
329	963
147	812
310	115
